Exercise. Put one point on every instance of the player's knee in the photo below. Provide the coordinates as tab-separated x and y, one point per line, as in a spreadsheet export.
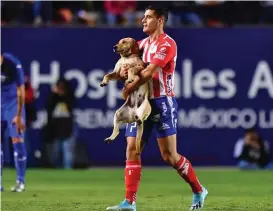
17	140
169	157
21	154
131	153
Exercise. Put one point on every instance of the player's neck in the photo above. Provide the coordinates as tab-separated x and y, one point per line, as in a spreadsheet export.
154	36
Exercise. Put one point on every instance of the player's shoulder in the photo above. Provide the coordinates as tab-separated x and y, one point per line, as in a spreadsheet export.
167	41
11	58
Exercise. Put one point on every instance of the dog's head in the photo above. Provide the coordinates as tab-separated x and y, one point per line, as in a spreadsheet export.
126	47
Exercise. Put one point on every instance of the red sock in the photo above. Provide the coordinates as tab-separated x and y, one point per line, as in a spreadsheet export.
185	170
132	178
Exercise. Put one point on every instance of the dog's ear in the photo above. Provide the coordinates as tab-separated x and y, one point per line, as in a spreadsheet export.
140	53
135	48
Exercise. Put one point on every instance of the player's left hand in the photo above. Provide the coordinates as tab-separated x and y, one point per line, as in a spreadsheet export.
125	93
20	126
124	72
129	88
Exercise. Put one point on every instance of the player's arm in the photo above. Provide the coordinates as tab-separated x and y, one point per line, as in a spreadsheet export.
163	56
20	88
20	99
143	77
18	119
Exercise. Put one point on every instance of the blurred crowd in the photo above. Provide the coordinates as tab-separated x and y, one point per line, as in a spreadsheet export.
197	13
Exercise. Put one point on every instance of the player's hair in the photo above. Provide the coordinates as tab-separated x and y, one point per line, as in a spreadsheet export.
159	11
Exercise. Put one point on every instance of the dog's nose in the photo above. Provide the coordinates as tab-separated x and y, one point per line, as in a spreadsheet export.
115	48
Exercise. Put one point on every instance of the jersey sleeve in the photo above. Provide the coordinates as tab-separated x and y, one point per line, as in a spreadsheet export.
17	66
20	74
165	52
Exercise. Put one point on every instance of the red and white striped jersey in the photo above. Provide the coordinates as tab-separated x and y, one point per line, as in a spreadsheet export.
163	53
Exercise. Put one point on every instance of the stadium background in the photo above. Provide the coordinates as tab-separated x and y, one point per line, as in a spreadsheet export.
223	82
224	85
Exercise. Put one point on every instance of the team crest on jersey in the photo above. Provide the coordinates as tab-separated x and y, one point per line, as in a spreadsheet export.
153	49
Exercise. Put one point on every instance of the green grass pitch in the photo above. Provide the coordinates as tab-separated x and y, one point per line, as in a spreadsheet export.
161	189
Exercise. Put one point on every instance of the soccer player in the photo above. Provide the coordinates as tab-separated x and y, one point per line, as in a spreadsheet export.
159	52
13	114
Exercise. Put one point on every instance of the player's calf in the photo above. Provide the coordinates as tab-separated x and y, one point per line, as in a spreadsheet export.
20	160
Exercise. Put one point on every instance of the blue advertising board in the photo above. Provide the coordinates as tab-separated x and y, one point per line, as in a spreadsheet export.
223	84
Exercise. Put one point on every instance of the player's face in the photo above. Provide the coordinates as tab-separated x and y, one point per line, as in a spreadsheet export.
151	22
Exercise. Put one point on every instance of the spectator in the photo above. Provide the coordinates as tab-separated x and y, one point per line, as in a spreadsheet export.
193	13
140	8
212	12
120	12
10	12
89	13
60	124
185	13
252	152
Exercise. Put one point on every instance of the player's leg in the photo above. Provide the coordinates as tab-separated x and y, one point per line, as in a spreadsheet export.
3	128
167	141
132	171
20	153
184	168
20	161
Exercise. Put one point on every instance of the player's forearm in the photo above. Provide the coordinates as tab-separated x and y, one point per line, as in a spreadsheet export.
143	78
20	99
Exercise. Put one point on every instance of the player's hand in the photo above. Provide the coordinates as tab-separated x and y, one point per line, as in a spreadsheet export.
124	72
20	126
125	93
130	88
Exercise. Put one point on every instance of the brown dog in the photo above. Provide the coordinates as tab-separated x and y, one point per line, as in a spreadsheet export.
137	107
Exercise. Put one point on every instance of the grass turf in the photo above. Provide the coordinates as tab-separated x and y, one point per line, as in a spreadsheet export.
161	189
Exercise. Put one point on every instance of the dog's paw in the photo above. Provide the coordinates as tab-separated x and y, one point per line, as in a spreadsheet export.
103	84
129	81
108	140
